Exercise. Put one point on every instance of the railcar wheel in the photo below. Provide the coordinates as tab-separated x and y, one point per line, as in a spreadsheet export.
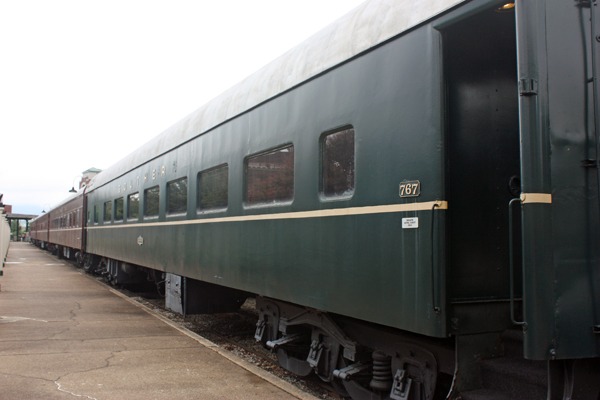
79	258
90	263
364	366
337	383
340	389
293	364
409	372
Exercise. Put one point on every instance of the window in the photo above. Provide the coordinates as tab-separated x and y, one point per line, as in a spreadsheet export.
133	206
338	163
177	196
96	214
213	188
151	201
270	176
119	209
107	211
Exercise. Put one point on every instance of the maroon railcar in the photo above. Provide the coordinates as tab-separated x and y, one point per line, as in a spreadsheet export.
39	230
66	226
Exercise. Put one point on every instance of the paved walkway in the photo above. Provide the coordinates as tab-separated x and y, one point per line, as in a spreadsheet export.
65	336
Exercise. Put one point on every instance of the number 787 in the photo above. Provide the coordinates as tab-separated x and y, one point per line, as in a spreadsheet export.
408	189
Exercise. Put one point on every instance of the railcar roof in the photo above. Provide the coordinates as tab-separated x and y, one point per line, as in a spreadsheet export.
59	204
368	25
66	200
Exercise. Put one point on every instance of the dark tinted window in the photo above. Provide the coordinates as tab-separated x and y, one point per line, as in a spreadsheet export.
133	206
177	196
338	163
107	211
151	198
119	209
212	188
96	217
270	176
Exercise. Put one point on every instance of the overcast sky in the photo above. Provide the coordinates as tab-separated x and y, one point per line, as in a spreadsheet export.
83	84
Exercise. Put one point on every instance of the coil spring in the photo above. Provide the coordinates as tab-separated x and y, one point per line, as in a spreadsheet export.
382	372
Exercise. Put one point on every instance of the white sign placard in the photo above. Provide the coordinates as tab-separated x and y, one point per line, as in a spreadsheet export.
410	223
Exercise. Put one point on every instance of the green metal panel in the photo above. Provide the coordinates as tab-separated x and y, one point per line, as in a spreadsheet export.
537	252
560	238
364	266
575	219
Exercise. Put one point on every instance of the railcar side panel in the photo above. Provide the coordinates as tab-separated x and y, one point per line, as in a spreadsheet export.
66	224
364	265
575	192
39	228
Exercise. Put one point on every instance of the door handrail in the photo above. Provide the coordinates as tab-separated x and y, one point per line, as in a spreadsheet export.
511	260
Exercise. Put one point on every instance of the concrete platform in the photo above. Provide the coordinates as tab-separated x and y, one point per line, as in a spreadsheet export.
63	335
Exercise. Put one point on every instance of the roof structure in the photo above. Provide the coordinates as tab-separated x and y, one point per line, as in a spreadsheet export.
367	26
21	216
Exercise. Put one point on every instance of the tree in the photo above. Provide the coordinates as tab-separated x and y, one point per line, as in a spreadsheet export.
13	227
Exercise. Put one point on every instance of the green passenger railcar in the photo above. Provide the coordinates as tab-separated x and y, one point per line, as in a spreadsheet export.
359	187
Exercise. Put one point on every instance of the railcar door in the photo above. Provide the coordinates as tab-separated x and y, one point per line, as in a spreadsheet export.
483	165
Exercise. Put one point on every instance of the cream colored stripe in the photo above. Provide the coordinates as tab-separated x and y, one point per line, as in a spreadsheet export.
65	230
536	198
336	212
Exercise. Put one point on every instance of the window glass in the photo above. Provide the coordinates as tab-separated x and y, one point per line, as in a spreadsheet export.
338	163
177	196
151	199
107	211
96	214
133	206
119	209
270	176
213	188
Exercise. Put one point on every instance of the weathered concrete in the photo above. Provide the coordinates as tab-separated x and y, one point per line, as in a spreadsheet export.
64	335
